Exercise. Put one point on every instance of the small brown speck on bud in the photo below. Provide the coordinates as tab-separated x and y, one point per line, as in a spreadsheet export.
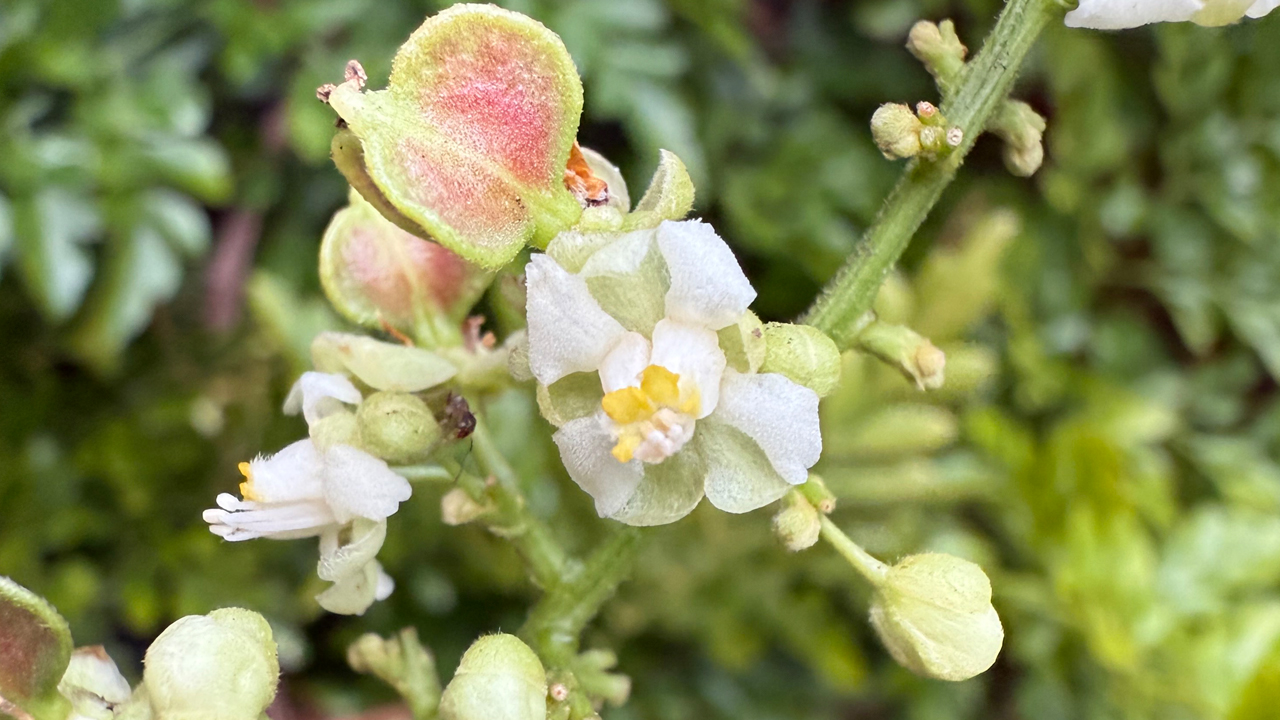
558	692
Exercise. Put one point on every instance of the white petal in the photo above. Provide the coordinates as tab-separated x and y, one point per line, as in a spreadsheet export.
294	473
568	332
1119	14
284	521
1262	7
319	394
340	561
585	446
386	585
780	415
694	353
740	477
623	365
358	484
707	284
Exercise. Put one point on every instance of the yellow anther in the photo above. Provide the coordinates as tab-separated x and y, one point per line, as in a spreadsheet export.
661	385
626	447
628	405
246	487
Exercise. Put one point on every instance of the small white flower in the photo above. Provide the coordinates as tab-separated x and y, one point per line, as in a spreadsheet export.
339	493
1119	14
642	310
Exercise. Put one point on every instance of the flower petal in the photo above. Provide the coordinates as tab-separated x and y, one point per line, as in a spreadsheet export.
694	353
358	484
339	560
585	446
779	415
294	473
741	477
236	520
629	279
319	394
623	365
568	332
707	285
1119	14
1262	7
669	491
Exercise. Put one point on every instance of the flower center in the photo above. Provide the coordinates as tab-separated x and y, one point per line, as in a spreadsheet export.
246	487
654	420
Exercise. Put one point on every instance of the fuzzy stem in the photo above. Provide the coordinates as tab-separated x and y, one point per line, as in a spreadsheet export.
861	560
983	86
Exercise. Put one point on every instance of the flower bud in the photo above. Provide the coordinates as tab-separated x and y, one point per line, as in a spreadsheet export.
907	351
93	683
499	678
669	196
458	508
798	523
220	666
933	612
403	663
1022	129
804	354
397	427
36	649
940	50
896	131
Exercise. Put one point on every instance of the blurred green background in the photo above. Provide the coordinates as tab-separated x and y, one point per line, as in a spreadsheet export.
1108	447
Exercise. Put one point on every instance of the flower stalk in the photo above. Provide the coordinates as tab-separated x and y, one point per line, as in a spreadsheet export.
984	85
870	568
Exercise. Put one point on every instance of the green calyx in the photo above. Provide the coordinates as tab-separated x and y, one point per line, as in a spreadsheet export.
804	354
397	427
35	649
499	678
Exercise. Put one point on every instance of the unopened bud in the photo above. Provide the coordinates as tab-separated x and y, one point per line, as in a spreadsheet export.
397	427
955	136
798	523
1022	129
220	666
907	351
804	354
933	612
896	131
499	678
815	491
458	508
93	683
926	111
403	663
940	50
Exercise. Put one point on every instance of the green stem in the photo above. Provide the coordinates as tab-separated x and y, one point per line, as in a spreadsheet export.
985	83
861	560
560	616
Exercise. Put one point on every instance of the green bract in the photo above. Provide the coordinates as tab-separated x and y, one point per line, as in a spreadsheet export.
35	647
469	141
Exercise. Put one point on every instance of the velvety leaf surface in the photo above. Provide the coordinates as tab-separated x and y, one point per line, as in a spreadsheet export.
35	644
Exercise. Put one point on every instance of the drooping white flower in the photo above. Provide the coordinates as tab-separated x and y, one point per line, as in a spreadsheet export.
1119	14
641	313
326	489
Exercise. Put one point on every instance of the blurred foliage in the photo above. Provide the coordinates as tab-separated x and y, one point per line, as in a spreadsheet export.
1108	447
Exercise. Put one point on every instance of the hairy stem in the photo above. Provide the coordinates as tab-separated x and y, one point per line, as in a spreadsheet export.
986	82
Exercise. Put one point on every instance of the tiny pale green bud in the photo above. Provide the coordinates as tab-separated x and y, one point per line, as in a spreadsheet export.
403	663
798	523
397	427
499	678
816	492
896	131
458	508
940	50
804	354
220	666
1022	129
907	351
743	343
934	614
93	683
35	649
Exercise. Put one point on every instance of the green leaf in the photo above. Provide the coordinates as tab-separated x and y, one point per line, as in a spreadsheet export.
471	137
35	648
179	219
52	228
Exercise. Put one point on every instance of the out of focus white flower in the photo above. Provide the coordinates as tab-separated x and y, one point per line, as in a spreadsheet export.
625	338
1118	14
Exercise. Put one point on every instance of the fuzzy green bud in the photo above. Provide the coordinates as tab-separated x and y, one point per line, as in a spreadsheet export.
940	50
499	678
896	131
798	523
397	427
907	351
933	612
403	663
93	683
804	354
220	666
1022	129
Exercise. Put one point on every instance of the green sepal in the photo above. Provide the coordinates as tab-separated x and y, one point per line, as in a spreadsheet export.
804	354
380	365
570	397
35	649
743	343
669	197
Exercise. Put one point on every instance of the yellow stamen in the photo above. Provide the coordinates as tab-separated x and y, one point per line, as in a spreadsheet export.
626	447
628	405
661	385
692	405
246	487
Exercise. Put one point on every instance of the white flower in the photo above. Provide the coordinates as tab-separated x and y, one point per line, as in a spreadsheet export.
641	311
1118	14
333	491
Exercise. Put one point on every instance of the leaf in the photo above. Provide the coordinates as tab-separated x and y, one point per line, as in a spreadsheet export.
35	647
375	272
179	219
52	228
471	137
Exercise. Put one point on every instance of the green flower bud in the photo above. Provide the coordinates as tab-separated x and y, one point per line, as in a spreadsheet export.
339	428
743	343
397	427
499	678
403	663
93	683
896	131
804	354
220	666
35	649
933	612
905	349
1022	129
798	523
940	50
